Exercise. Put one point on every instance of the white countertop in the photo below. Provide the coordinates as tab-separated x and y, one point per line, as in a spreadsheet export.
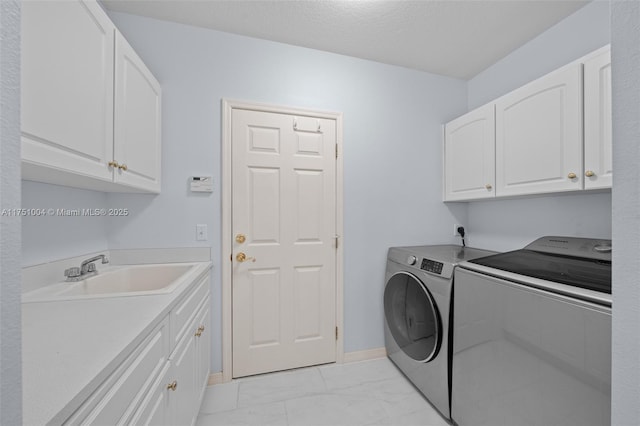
70	347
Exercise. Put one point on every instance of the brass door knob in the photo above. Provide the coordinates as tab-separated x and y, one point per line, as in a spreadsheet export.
241	257
589	173
572	175
123	167
240	238
488	186
114	164
173	385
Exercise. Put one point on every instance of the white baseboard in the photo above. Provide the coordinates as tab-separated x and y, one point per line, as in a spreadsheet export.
365	355
215	379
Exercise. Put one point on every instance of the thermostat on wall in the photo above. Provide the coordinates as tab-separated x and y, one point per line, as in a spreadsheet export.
201	184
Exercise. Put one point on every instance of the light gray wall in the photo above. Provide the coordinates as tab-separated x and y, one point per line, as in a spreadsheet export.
10	288
392	150
573	37
625	25
510	224
47	238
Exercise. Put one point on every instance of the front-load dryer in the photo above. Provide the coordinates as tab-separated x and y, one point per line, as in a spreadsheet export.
418	299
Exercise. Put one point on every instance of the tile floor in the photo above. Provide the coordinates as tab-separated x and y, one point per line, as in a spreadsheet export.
360	393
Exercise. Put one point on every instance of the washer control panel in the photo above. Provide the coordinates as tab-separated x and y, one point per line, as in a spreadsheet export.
431	266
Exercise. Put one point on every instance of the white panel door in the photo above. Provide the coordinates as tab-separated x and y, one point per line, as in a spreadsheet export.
539	135
67	86
598	154
137	141
284	206
469	155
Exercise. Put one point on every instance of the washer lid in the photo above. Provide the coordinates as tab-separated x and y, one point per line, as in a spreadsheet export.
578	262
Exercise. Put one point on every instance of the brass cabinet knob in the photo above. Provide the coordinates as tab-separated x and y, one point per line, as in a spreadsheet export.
241	257
589	173
123	167
488	186
572	175
114	164
240	238
173	385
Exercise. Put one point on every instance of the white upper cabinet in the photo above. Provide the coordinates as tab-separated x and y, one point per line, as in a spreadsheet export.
598	155
539	135
137	141
67	88
469	155
540	145
90	107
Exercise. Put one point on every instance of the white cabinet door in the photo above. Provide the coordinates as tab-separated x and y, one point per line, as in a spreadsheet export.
598	155
203	349
183	399
67	87
469	155
155	408
539	135
137	143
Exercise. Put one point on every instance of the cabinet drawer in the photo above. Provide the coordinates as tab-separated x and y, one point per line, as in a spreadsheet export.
121	393
185	311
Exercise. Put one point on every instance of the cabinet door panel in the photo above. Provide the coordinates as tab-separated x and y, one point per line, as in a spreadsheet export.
155	408
539	135
469	154
184	399
598	154
203	350
137	142
67	87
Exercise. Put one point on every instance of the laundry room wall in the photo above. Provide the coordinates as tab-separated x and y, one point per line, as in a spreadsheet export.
510	224
392	151
54	237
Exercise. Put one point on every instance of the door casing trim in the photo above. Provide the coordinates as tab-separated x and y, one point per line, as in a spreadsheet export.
228	105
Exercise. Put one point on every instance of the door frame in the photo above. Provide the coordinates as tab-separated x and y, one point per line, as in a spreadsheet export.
228	105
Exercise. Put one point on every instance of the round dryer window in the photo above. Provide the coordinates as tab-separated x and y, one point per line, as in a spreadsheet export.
412	316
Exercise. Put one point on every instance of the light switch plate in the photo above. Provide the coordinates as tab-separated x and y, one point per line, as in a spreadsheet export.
201	232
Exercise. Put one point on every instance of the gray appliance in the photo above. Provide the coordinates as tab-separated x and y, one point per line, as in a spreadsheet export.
417	307
532	336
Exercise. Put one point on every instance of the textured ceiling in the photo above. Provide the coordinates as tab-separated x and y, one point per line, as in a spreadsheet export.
457	38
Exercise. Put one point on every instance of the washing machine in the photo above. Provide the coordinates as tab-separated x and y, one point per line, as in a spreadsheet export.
418	299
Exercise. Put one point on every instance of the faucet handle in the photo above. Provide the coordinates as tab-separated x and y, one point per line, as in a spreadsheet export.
105	259
72	272
92	267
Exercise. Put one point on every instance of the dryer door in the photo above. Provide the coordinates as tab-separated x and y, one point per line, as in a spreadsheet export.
412	316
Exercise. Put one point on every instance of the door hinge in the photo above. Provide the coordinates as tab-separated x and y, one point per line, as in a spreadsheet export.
231	257
336	333
337	237
336	150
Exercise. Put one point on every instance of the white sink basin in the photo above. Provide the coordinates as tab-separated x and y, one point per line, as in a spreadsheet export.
117	281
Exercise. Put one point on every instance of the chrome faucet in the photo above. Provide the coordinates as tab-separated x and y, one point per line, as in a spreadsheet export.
87	269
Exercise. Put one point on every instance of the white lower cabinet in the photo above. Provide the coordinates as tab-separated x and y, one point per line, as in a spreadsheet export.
118	397
188	374
159	383
155	408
